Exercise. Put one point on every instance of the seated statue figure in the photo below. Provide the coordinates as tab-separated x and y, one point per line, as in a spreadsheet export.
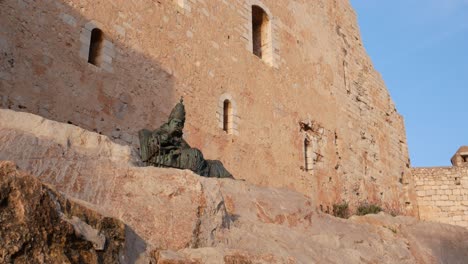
165	147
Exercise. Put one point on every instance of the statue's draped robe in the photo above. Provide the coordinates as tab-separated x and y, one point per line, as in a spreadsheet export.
160	149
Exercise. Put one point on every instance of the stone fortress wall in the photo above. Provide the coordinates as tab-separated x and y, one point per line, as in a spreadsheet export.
443	191
282	92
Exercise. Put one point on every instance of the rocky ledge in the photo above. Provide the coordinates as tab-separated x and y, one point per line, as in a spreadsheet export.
40	225
175	216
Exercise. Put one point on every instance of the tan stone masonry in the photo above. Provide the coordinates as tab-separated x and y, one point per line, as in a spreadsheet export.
443	194
315	71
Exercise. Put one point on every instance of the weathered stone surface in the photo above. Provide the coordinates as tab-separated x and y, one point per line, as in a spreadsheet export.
443	194
321	75
92	168
428	242
443	191
179	217
40	225
368	239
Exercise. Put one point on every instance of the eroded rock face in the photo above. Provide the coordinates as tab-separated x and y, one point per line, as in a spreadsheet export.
179	217
368	239
161	205
39	225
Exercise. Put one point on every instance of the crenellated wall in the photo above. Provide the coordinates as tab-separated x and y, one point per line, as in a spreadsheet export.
316	73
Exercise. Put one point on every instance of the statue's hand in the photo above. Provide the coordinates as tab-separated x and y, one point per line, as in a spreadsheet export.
176	152
164	138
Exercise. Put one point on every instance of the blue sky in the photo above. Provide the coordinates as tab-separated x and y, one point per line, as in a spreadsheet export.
421	49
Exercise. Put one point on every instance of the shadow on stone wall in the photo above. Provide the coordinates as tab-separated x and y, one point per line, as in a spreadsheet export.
42	72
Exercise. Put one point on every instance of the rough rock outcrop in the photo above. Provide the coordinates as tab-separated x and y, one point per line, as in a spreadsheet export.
39	225
179	217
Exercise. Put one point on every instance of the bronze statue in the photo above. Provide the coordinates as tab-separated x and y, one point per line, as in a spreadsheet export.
165	147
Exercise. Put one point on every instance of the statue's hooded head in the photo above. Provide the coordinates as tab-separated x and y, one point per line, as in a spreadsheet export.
177	118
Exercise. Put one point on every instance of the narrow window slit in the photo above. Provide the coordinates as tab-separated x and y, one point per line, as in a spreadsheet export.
308	155
95	47
260	32
227	116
